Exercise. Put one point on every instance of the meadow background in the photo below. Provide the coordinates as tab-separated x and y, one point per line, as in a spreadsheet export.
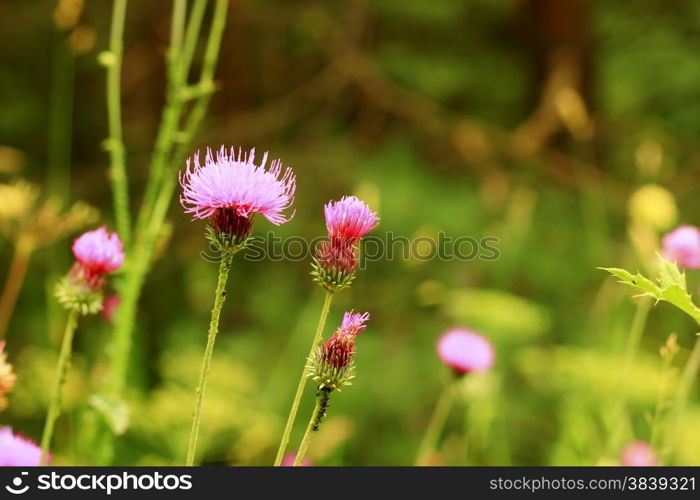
534	121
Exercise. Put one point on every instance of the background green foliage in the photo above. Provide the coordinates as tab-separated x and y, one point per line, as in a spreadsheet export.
429	111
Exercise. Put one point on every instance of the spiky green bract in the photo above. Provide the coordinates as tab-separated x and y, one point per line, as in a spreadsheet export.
74	295
225	243
327	374
331	278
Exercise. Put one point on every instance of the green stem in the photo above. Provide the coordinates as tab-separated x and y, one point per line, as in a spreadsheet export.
436	425
13	284
179	61
115	143
661	403
151	218
60	119
690	373
219	298
631	347
322	400
61	375
302	381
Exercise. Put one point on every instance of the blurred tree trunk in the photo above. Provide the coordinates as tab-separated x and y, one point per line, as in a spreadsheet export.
558	39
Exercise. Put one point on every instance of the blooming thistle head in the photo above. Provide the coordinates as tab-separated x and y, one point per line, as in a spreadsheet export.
7	377
97	254
332	364
335	262
230	189
639	454
17	451
465	351
682	245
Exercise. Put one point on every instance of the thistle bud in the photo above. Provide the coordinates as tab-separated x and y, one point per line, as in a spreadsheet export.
97	254
332	364
336	260
334	265
228	231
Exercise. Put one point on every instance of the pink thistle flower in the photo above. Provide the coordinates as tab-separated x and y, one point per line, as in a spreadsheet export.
288	461
332	365
98	253
639	454
17	451
349	219
7	377
109	307
235	184
354	323
465	351
340	347
682	245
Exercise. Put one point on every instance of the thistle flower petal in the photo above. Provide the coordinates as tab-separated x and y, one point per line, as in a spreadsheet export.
233	181
17	451
349	219
99	251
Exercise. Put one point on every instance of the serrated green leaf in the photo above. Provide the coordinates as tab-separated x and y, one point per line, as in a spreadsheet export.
673	287
638	281
669	274
680	298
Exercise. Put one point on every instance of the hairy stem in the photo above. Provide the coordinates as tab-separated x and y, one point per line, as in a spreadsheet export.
631	347
690	373
151	217
219	298
61	374
322	399
13	284
302	381
436	424
115	142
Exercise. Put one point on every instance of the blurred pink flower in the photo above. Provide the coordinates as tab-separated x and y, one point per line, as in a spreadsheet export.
234	183
7	377
99	251
17	451
349	219
109	307
638	454
682	245
288	461
465	351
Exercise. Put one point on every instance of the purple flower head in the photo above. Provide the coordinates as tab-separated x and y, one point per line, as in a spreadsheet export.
234	183
682	246
354	323
639	454
99	251
465	351
349	219
340	347
17	451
